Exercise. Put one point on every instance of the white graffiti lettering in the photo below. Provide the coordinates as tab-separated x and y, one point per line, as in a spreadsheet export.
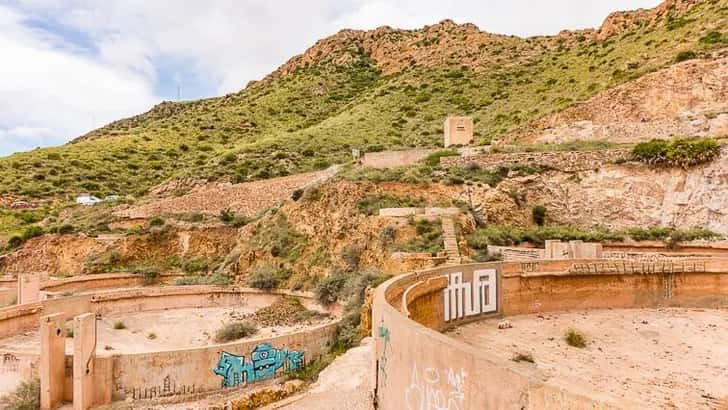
468	299
427	393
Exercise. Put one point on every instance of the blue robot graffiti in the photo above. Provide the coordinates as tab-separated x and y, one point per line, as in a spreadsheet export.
265	363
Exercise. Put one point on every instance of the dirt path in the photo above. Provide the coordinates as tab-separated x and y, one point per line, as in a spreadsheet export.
634	358
345	384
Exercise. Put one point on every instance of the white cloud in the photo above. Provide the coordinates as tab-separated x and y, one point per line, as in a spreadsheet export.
53	81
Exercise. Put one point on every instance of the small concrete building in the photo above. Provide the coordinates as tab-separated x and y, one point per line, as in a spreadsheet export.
458	131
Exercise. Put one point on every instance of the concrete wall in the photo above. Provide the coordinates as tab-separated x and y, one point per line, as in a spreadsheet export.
155	374
393	159
419	368
566	161
190	371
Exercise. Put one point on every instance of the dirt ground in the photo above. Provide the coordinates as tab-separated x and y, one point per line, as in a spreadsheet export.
634	358
156	330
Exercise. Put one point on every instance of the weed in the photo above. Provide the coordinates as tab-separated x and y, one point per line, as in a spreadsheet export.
575	338
235	331
119	325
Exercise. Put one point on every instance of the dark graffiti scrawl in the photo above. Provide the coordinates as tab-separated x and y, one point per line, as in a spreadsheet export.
265	362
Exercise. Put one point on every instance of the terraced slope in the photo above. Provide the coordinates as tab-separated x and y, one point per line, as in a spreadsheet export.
377	89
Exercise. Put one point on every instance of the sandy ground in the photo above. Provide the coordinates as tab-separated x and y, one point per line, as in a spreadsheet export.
345	384
636	358
155	330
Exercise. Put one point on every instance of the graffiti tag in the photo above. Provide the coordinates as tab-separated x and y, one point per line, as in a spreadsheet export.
426	390
265	362
385	335
468	299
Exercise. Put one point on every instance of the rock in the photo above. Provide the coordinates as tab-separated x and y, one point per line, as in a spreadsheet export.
506	324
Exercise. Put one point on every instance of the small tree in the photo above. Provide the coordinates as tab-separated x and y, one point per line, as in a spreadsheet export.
539	215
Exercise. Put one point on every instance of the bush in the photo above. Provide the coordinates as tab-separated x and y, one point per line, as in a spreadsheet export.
433	159
66	229
351	254
538	214
372	204
328	289
680	152
156	221
149	275
14	242
297	194
714	37
25	397
32	232
227	216
388	234
267	277
235	331
429	239
685	56
575	338
119	325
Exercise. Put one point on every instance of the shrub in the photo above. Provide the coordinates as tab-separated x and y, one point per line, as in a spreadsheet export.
714	37
267	277
280	237
25	397
329	288
149	275
575	338
227	216
433	159
372	204
351	254
66	229
388	234
14	242
32	232
429	239
297	194
680	152
235	331
157	221
538	213
685	56
119	325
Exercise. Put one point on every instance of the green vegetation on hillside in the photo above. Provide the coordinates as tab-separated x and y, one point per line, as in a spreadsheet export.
681	152
314	116
509	235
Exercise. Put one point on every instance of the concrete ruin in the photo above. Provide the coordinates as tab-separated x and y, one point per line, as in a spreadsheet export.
458	131
418	367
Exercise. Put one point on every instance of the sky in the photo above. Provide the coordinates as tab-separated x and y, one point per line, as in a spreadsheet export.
69	66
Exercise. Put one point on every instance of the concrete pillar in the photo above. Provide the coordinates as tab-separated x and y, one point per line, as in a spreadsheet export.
575	249
84	352
28	288
52	360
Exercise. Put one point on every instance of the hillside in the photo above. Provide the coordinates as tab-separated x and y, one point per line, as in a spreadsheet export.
385	88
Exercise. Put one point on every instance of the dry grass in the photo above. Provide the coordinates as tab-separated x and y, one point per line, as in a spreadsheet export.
575	338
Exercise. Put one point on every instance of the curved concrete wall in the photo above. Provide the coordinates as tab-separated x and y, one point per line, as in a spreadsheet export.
160	374
419	368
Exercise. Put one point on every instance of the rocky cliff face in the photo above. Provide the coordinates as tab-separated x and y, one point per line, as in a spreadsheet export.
621	21
690	98
619	196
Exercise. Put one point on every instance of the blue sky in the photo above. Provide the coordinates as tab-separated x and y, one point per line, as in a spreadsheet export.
69	66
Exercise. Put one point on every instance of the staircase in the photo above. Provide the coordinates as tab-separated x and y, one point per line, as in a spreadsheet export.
451	241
